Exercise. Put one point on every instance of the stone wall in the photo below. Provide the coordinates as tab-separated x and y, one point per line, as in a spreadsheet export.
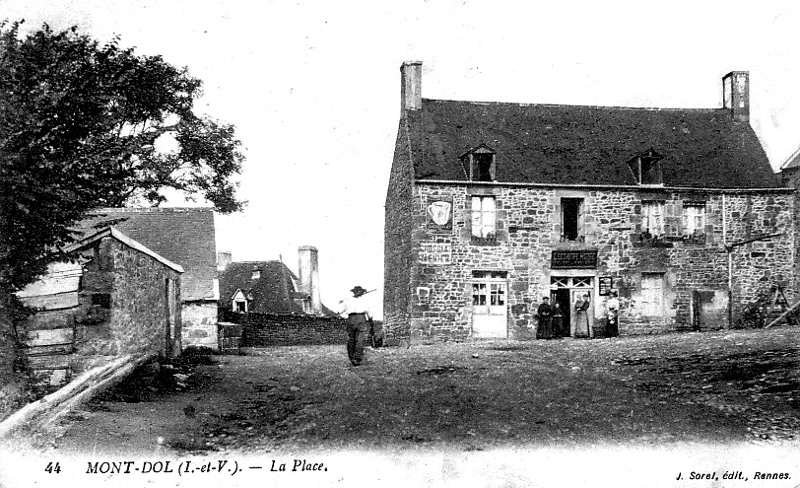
200	324
398	251
529	228
260	330
790	177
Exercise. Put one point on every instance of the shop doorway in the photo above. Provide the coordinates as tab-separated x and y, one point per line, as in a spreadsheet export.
566	290
561	297
489	309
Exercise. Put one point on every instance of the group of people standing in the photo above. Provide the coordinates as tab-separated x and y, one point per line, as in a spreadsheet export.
551	319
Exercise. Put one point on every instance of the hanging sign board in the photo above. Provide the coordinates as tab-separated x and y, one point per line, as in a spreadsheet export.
606	284
440	214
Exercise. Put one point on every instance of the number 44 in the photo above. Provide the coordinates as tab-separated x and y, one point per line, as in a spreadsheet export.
53	468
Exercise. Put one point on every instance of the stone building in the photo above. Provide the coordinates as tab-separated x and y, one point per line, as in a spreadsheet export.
491	206
270	287
116	297
187	237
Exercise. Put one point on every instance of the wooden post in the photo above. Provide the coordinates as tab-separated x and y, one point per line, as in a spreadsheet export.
784	314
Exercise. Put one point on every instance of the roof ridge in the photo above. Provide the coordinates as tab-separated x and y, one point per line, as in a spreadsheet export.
566	105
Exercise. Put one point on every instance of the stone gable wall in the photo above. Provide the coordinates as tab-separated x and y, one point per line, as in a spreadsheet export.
398	251
529	228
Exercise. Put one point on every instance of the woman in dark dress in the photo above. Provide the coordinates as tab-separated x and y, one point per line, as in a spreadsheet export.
545	329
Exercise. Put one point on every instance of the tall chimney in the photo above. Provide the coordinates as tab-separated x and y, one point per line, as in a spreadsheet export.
736	94
308	267
224	258
411	85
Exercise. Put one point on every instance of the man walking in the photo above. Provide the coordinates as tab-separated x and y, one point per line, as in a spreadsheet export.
359	319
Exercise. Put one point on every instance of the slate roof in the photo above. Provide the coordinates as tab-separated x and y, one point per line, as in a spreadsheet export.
273	292
185	236
560	144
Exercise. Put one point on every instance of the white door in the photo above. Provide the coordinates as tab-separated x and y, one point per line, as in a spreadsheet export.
489	313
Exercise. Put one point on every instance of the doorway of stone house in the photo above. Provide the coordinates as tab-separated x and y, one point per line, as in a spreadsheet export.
562	298
566	290
489	308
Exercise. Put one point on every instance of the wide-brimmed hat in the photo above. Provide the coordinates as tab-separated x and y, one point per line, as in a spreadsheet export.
357	290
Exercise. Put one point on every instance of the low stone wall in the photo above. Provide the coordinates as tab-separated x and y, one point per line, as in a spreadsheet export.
260	330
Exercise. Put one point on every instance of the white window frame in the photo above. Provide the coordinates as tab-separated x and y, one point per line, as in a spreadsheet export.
694	218
484	217
653	217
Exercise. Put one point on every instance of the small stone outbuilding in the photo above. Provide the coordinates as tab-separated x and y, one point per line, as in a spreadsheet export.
186	236
116	297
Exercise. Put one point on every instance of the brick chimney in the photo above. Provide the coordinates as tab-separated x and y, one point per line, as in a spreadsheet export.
308	268
411	85
736	94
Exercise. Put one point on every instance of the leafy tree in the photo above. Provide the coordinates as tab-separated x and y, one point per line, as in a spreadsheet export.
81	125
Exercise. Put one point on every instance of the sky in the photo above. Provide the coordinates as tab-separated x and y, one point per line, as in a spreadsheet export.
313	88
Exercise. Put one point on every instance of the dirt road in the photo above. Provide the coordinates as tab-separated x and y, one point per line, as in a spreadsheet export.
733	386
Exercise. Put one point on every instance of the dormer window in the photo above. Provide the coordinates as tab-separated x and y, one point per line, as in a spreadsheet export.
256	274
480	163
646	168
239	302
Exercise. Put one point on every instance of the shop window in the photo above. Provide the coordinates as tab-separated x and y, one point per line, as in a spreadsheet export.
652	299
483	217
479	294
572	218
497	294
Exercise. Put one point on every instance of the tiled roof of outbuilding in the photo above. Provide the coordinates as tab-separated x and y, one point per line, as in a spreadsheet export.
561	144
185	236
